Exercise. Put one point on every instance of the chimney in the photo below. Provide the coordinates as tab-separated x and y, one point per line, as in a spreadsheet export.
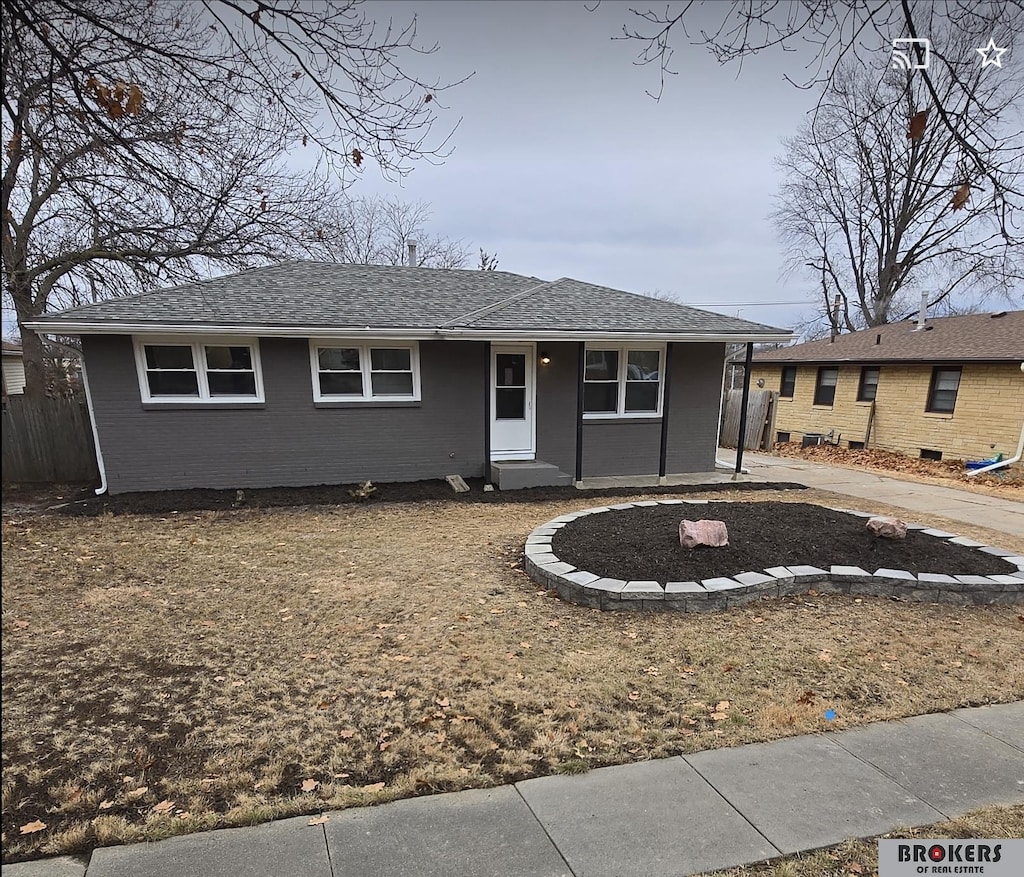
412	254
922	314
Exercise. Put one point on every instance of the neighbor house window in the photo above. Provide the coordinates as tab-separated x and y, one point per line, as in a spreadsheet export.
942	392
825	388
788	385
622	381
868	386
175	370
344	372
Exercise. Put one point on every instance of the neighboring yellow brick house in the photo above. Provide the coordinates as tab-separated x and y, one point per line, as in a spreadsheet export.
951	389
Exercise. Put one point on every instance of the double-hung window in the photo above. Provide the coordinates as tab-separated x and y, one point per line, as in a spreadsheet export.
788	384
867	389
942	392
825	387
622	381
348	372
182	370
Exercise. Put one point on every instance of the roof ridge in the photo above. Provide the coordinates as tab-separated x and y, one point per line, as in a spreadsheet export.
498	305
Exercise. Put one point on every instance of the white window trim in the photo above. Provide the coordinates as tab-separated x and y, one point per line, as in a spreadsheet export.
364	347
620	412
198	346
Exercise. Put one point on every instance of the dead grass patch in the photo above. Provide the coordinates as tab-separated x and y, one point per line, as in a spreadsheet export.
174	673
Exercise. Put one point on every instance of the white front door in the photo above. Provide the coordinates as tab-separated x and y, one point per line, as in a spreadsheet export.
513	434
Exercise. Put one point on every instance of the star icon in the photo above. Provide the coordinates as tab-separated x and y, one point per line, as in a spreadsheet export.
991	54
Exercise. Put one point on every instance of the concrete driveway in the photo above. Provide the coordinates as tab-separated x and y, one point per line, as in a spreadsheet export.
1004	515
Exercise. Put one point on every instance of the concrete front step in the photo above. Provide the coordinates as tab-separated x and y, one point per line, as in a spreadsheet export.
517	474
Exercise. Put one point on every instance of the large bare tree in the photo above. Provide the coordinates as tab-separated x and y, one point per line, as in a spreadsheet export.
377	230
155	142
879	201
868	210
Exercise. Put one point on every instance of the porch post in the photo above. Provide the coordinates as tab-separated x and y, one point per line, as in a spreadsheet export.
581	372
487	412
743	410
667	378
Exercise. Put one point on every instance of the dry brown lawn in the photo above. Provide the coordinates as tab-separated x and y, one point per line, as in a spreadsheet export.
859	858
168	674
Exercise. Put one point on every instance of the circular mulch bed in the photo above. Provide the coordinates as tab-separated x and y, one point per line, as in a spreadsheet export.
642	543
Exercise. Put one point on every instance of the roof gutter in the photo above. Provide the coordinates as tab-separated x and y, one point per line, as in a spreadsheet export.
455	334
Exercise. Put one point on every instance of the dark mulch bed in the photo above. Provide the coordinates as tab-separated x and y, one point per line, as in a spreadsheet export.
83	502
642	544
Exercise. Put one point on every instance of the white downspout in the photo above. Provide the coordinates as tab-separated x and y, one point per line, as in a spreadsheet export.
1020	450
95	435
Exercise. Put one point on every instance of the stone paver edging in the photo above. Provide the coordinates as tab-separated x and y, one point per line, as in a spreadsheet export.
722	592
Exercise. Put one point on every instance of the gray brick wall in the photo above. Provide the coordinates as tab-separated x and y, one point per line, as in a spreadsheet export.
288	442
693	408
556	404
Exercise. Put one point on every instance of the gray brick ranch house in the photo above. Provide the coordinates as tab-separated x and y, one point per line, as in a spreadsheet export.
307	373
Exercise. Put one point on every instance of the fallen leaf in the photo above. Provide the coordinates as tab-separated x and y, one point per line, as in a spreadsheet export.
718	716
722	705
524	645
918	123
347	733
318	820
442	701
165	806
389	694
806	698
23	625
137	793
373	787
309	785
106	805
238	683
634	695
549	712
825	655
960	197
33	827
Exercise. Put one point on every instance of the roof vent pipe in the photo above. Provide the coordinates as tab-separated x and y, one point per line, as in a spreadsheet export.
878	339
922	314
412	253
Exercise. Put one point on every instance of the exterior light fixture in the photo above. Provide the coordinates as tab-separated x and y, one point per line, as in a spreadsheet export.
544	358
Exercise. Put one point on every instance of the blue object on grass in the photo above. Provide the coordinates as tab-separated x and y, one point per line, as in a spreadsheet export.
830	715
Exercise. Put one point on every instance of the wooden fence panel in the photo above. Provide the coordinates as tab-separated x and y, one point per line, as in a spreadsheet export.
760	415
47	440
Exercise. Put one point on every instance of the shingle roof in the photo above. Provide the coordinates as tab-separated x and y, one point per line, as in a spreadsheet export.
975	337
336	296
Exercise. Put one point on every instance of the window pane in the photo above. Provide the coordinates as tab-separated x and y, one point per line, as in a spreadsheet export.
511	369
642	365
642	395
391	384
509	403
602	365
341	384
231	383
229	358
868	384
173	384
825	390
788	382
169	356
338	358
828	377
598	398
947	380
390	359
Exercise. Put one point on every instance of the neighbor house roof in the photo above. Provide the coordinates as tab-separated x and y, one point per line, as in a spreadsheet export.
12	348
319	298
976	337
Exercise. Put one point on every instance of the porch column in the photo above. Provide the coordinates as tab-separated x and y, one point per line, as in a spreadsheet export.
487	412
667	378
743	410
581	373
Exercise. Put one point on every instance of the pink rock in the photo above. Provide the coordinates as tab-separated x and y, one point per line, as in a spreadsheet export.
887	528
711	533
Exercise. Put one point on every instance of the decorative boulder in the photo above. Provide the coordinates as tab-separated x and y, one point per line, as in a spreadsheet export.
887	528
710	533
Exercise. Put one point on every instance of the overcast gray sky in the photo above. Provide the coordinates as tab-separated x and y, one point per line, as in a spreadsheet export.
565	167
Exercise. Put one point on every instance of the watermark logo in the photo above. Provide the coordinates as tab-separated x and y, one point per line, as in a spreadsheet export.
991	858
991	54
911	54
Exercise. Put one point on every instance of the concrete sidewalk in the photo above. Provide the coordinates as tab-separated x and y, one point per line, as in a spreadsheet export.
684	815
979	509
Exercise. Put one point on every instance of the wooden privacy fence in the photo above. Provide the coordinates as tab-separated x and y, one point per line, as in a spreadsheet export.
760	419
47	440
